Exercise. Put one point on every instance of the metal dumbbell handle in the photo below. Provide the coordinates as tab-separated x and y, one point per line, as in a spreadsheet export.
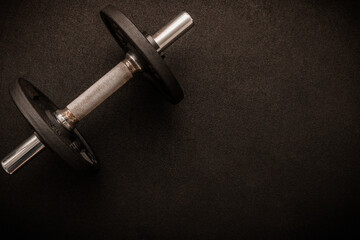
101	90
98	92
121	73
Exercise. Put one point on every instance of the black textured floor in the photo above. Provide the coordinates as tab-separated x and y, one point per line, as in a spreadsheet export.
265	145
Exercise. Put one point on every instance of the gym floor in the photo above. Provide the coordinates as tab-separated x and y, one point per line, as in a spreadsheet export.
265	144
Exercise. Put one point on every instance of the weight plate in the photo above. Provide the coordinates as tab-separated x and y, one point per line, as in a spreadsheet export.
39	112
130	38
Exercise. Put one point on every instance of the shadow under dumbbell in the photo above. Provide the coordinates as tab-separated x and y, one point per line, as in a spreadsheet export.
132	118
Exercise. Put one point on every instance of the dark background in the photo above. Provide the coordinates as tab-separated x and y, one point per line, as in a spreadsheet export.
265	145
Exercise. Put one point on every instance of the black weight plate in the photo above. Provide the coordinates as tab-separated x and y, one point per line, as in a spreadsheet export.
38	111
130	38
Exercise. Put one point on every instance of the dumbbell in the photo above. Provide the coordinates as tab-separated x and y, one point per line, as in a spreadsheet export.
56	128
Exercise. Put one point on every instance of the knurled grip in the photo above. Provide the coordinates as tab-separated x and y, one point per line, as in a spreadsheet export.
100	91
